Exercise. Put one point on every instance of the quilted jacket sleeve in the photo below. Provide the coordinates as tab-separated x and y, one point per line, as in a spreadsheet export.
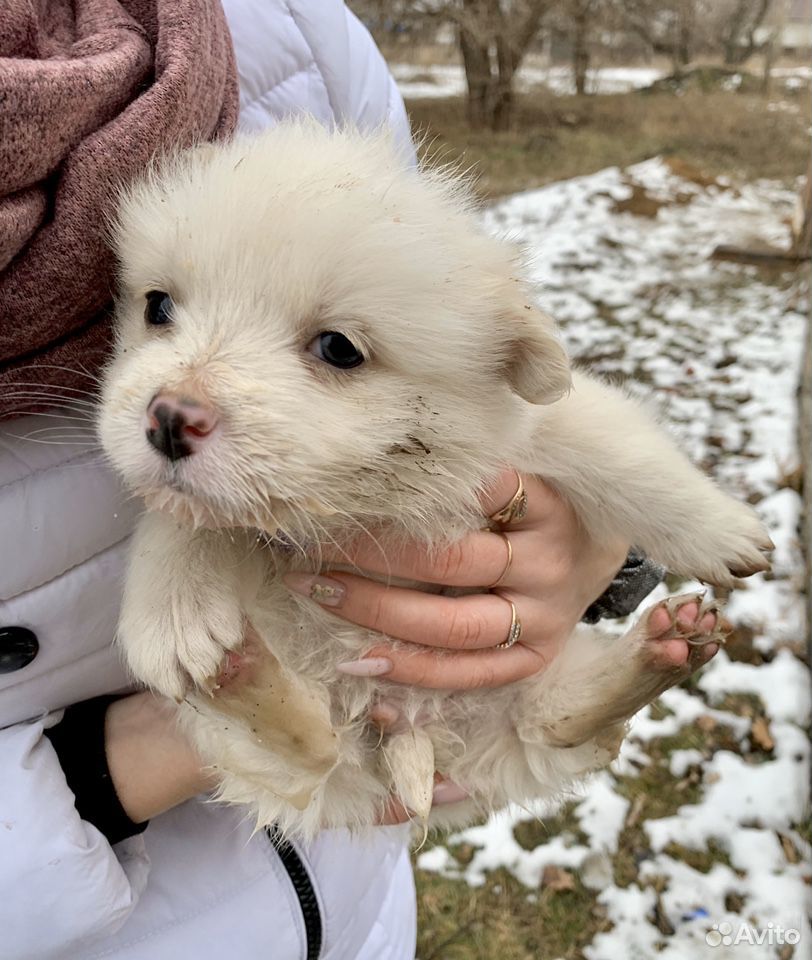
296	57
373	95
61	883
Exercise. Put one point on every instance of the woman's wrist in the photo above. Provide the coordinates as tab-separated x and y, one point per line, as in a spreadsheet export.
152	765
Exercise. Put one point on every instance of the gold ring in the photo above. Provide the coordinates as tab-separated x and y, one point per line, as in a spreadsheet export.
515	630
508	562
515	509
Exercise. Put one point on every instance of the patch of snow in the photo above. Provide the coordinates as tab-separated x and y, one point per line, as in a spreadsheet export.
782	684
684	710
448	80
602	813
681	761
632	937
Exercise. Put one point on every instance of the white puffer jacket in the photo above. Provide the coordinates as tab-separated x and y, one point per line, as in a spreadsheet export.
195	883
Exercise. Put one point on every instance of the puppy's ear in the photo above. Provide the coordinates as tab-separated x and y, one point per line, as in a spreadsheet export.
538	368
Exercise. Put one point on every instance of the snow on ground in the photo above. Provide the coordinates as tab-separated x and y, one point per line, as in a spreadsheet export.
718	345
415	81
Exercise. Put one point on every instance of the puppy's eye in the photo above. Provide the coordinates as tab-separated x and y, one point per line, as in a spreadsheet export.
158	311
335	349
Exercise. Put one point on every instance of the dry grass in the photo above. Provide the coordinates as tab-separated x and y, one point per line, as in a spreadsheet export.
719	134
506	920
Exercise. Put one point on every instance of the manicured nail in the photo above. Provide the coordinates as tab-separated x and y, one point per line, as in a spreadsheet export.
368	667
446	791
327	592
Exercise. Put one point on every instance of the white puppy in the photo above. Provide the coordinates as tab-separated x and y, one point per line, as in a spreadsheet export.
315	338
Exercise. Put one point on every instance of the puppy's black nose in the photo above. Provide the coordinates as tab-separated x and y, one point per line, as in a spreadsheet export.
178	426
166	431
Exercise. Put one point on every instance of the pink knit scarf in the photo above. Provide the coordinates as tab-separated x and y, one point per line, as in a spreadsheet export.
90	90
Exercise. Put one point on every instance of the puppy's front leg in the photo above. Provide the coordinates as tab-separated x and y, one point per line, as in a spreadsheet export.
183	604
626	478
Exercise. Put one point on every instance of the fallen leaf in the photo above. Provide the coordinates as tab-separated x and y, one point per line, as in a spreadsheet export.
789	848
636	810
760	734
555	878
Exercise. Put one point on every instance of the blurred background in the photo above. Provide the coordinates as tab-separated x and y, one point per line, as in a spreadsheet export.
652	156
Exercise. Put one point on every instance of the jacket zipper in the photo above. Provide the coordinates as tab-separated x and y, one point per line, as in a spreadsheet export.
305	892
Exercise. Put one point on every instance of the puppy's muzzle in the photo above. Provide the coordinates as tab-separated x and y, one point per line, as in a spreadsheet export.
178	427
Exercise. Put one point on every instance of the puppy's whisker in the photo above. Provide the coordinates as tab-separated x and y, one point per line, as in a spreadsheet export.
62	443
81	370
53	402
63	433
54	399
62	416
62	388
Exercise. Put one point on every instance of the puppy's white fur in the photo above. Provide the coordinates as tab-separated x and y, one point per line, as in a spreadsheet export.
262	244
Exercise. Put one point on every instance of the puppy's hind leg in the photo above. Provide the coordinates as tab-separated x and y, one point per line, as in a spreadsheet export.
409	755
598	682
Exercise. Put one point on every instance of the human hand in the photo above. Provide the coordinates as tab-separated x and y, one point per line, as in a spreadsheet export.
152	764
451	643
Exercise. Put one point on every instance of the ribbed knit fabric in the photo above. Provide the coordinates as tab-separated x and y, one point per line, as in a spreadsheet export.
90	91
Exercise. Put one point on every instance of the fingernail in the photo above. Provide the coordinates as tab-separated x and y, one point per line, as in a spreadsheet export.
327	592
446	791
368	667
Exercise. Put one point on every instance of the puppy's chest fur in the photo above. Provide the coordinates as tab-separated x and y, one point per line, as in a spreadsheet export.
311	641
334	762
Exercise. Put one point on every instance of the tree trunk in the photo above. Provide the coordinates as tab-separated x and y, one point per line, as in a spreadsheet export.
740	32
684	35
732	57
769	60
502	113
580	51
490	96
802	229
493	43
477	62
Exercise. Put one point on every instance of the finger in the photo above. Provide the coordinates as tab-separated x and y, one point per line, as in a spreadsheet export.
393	813
543	503
471	622
475	561
466	670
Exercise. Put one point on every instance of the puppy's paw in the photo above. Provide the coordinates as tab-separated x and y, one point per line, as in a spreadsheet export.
680	634
671	640
182	644
732	543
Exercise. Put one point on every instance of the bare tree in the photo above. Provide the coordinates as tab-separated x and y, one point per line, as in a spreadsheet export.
669	27
494	38
578	18
738	22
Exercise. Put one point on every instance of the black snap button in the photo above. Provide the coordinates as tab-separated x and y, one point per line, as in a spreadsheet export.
18	647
